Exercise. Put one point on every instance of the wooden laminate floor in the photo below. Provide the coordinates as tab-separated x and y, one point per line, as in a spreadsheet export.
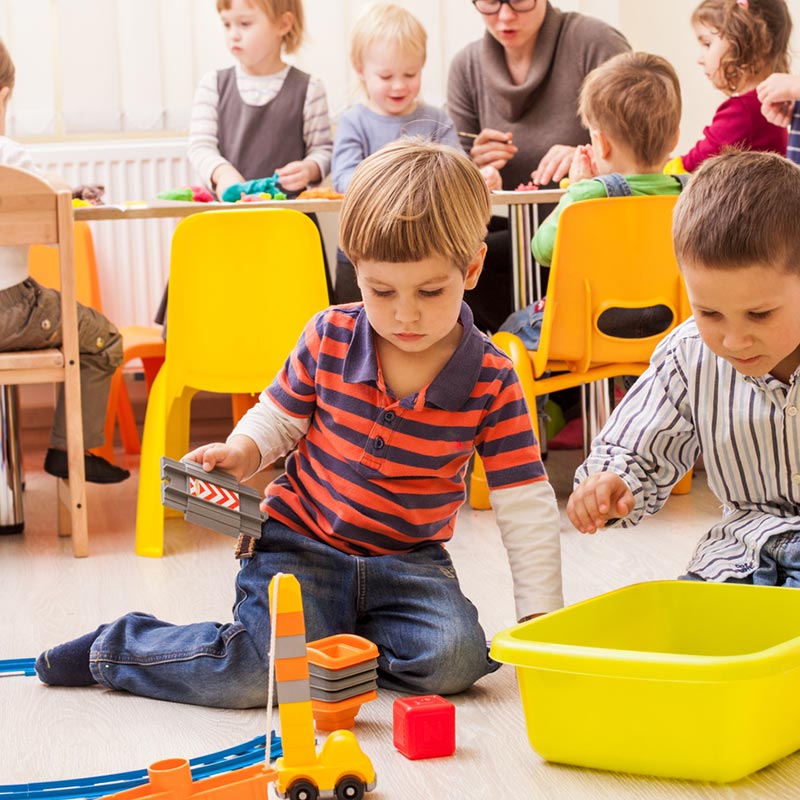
47	597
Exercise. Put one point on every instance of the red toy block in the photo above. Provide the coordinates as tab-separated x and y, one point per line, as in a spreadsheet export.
424	727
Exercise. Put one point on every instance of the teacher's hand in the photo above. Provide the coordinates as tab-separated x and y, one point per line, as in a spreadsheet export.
493	148
554	165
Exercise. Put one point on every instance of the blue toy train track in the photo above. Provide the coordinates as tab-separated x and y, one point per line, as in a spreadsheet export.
243	755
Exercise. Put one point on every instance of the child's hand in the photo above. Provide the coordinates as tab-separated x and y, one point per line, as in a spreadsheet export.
494	182
779	88
296	175
779	114
238	456
601	497
493	148
554	165
583	165
91	192
777	94
225	175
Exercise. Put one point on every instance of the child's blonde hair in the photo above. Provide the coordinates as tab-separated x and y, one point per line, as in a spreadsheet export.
740	210
275	9
412	199
387	22
758	34
7	71
635	98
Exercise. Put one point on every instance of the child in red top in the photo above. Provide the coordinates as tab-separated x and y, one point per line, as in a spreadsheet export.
741	43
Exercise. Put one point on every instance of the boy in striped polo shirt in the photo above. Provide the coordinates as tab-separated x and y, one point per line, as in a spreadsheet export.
723	385
385	401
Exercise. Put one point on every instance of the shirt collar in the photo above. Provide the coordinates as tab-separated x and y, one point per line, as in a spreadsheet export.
769	381
450	389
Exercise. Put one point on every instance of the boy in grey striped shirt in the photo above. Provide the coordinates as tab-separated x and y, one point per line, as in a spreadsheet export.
723	385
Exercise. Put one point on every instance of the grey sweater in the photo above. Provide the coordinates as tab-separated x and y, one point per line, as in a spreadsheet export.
542	111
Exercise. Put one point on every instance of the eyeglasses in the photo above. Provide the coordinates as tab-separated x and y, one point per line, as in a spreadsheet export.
490	7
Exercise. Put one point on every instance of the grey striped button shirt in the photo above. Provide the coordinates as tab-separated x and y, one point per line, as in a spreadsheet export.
691	402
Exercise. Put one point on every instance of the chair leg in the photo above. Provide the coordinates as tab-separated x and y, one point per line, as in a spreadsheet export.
151	367
106	450
684	485
127	422
75	494
149	511
478	488
241	404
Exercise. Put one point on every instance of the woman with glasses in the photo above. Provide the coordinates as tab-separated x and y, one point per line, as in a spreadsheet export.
515	92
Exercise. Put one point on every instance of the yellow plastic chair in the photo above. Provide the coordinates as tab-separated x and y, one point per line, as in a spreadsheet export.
138	341
32	211
609	253
243	284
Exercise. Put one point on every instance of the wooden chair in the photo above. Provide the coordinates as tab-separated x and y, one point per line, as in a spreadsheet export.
138	341
609	253
32	211
243	284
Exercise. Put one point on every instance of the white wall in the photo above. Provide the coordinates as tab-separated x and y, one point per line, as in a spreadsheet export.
131	65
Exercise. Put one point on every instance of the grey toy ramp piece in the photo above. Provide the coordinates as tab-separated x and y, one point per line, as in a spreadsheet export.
211	499
328	696
335	674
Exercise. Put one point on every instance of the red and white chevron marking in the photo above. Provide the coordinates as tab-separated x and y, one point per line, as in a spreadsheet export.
212	493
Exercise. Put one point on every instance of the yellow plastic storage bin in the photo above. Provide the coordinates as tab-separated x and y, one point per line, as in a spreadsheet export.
678	679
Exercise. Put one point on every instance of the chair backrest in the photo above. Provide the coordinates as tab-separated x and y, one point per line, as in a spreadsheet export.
242	285
28	214
43	267
609	253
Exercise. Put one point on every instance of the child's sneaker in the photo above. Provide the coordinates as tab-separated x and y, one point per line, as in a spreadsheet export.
97	469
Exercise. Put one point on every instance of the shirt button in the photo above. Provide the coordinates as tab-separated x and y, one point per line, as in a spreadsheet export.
379	443
792	411
46	325
796	477
389	416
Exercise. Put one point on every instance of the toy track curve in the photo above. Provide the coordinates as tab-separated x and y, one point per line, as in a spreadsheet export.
236	757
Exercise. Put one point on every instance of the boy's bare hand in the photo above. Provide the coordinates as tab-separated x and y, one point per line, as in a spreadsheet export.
554	165
583	166
239	456
493	148
601	497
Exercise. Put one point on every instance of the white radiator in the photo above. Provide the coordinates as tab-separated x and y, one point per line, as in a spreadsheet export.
132	255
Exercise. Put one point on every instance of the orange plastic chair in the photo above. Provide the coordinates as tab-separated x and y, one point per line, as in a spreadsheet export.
138	341
243	284
32	211
609	253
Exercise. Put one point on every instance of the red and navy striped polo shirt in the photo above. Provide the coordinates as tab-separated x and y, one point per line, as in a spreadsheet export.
377	474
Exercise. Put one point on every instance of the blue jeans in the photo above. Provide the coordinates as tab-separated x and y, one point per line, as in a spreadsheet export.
409	604
778	565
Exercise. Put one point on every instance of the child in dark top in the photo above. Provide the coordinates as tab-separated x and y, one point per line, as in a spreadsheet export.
741	43
261	115
386	401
